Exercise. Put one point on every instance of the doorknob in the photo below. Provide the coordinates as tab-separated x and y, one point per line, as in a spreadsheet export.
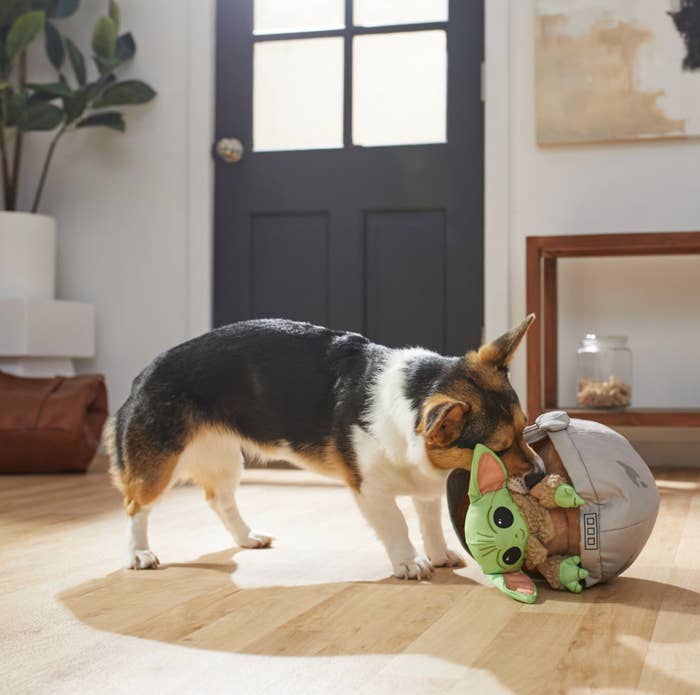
229	150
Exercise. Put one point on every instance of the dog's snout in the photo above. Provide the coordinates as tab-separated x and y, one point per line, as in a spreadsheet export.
537	472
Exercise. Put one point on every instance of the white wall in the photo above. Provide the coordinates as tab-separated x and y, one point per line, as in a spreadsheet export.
588	189
134	210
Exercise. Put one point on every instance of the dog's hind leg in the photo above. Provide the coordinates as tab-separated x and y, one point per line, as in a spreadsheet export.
142	473
139	495
214	460
222	499
138	555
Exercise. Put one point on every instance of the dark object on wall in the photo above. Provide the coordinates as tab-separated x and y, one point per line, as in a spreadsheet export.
687	21
50	425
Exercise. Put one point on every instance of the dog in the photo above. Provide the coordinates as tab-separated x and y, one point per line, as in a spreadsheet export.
386	422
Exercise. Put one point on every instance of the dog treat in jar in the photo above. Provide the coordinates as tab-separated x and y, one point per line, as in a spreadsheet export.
604	370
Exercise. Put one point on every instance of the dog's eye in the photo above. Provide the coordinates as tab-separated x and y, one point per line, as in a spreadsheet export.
503	517
502	452
512	555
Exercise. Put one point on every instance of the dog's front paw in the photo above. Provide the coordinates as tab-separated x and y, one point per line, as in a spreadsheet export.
142	560
255	539
447	558
418	567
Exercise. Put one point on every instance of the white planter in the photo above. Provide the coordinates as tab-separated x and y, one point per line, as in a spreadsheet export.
27	255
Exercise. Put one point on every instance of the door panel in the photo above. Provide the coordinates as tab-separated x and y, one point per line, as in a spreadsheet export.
378	238
290	251
406	275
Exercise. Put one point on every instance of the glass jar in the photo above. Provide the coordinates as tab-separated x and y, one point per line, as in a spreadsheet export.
604	371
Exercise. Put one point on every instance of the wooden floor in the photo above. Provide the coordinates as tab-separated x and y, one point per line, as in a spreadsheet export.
317	613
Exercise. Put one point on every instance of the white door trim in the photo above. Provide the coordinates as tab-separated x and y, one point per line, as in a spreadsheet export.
200	171
497	168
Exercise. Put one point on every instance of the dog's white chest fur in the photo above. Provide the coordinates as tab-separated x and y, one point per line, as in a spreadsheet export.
390	453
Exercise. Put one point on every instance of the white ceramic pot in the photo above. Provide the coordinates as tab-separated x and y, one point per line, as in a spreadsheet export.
27	255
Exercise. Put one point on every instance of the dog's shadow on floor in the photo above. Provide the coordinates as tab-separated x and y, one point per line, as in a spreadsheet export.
198	604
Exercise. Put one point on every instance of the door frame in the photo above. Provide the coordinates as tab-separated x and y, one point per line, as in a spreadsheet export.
497	168
199	243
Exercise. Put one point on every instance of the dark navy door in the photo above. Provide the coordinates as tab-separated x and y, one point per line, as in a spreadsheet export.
358	201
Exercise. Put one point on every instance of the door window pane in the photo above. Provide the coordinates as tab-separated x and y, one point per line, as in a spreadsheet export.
373	13
274	16
298	94
400	88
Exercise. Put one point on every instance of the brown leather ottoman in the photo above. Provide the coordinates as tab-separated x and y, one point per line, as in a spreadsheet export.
50	425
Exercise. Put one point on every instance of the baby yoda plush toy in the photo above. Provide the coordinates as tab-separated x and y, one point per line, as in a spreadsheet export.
584	522
506	530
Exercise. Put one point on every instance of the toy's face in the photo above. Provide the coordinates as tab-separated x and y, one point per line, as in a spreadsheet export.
494	527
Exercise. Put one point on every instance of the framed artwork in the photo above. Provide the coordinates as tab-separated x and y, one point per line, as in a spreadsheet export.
611	70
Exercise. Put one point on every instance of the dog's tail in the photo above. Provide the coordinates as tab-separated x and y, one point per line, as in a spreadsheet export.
112	445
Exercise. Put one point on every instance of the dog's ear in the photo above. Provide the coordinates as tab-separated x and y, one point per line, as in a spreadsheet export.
500	352
444	422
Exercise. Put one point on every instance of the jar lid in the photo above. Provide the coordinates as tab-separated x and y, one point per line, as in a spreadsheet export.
593	339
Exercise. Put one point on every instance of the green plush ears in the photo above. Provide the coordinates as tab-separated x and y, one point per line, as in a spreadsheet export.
488	473
517	585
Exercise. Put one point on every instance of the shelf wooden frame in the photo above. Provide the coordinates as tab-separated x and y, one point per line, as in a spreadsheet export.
543	252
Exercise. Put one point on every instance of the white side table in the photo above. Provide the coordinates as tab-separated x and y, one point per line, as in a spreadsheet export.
41	337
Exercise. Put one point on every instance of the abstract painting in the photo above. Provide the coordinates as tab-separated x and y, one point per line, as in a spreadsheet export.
609	70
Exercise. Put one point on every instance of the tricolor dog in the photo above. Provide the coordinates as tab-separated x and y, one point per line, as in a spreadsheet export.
386	422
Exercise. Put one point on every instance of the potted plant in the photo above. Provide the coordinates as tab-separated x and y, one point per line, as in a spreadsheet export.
73	101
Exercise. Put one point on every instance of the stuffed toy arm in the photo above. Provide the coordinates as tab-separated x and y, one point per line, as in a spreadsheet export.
563	572
553	491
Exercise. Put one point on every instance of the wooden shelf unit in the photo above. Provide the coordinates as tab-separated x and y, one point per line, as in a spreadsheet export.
543	253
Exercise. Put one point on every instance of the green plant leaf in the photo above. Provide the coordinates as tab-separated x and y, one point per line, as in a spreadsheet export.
126	47
95	89
106	65
77	62
42	116
108	119
54	46
125	93
38	98
75	105
114	13
64	8
23	31
5	66
51	89
4	86
104	38
16	104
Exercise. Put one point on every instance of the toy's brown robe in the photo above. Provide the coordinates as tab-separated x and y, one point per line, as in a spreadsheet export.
554	532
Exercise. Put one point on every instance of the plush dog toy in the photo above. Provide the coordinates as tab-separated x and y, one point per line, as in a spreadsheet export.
584	522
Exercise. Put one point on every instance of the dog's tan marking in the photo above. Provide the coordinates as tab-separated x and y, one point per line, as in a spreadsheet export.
501	438
143	484
330	462
146	473
326	459
482	368
450	457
